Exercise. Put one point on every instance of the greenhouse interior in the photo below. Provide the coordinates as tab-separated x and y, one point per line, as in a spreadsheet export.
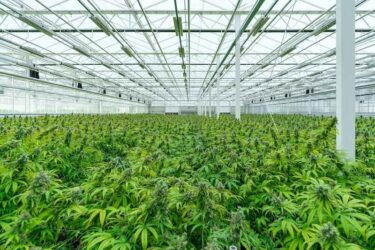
187	124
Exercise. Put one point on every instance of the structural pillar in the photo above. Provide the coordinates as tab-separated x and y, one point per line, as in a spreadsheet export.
345	77
210	101
27	98
237	80
218	88
100	106
13	106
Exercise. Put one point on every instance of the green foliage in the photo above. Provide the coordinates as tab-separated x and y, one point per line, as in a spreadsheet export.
184	182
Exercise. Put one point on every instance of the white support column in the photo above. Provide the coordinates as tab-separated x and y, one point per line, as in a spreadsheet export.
345	77
100	106
218	88
55	104
204	108
13	109
210	101
237	80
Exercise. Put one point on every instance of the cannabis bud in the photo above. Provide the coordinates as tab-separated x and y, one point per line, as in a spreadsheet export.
212	245
41	182
77	193
36	152
322	191
236	223
22	160
181	242
277	200
329	232
20	133
68	137
127	174
116	163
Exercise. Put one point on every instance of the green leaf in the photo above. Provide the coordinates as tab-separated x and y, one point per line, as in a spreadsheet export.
102	215
144	238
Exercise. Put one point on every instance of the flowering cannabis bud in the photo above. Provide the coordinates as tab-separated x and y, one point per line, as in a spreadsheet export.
329	232
161	190
36	152
20	133
24	216
236	223
77	193
127	174
41	182
68	137
220	186
322	191
277	200
212	245
181	242
116	163
22	160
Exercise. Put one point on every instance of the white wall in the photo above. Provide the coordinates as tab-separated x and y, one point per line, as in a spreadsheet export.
30	97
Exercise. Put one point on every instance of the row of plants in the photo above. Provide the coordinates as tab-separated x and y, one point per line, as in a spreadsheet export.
184	182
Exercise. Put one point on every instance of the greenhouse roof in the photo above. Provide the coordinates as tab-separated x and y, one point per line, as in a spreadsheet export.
176	50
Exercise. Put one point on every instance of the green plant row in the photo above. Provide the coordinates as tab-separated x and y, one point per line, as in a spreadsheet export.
184	182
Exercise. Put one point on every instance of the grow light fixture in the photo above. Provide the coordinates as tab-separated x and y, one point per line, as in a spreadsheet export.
23	64
107	65
302	65
264	66
36	25
91	74
183	66
82	51
127	51
315	74
254	11
68	65
121	74
141	65
32	51
325	27
288	51
259	25
331	53
102	25
184	74
178	26
181	51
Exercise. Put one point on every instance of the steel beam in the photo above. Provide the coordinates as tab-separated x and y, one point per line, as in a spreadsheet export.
238	72
87	30
172	12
